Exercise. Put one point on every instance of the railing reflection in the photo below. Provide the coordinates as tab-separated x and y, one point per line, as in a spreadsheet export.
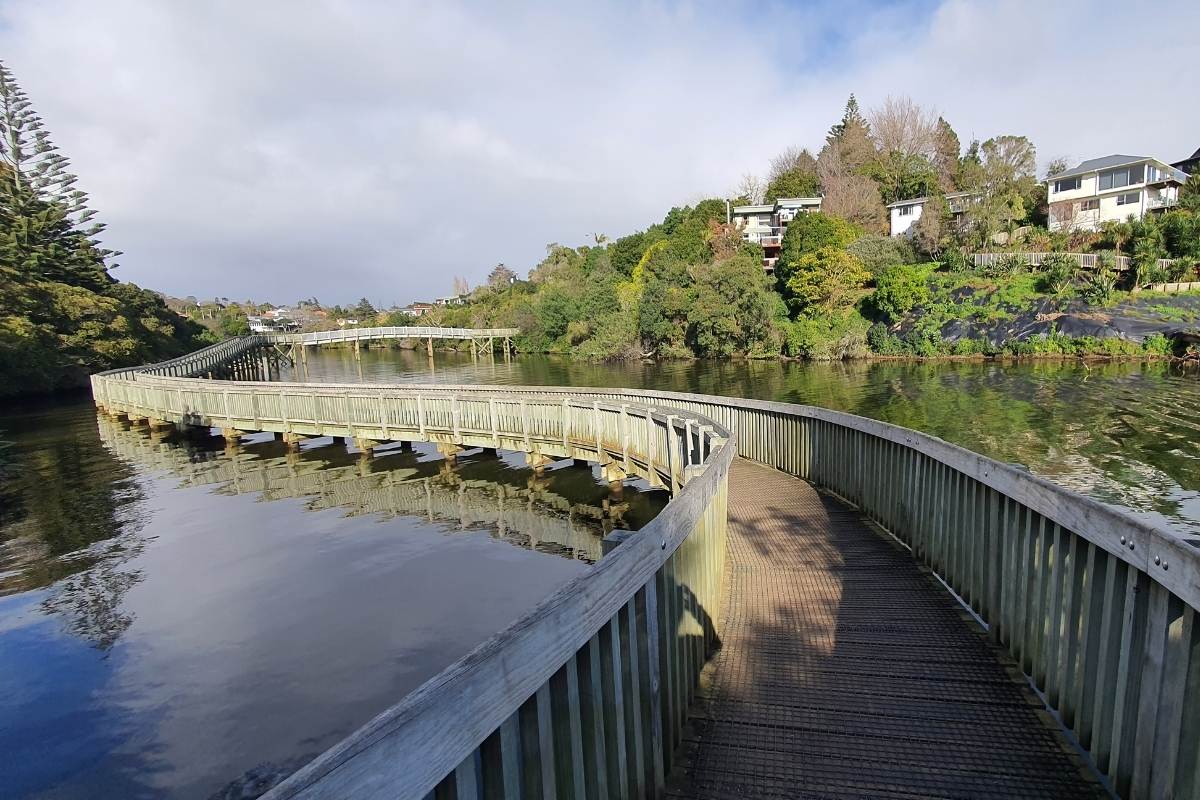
563	512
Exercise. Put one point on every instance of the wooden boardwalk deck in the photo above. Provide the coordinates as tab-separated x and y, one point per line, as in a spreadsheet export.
847	671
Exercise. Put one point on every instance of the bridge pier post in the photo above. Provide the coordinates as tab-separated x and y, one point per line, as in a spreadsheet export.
449	451
231	435
537	461
429	346
366	445
293	440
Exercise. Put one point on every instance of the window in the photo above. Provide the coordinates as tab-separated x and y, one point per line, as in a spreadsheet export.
1128	199
906	211
1068	184
1125	176
1090	205
1152	174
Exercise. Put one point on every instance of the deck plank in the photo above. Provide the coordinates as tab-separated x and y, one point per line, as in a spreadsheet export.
846	670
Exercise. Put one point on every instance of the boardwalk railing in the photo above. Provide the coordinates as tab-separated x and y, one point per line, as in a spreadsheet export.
586	693
409	332
1097	606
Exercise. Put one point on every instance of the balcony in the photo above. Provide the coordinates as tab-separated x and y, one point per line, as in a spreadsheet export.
1156	201
772	240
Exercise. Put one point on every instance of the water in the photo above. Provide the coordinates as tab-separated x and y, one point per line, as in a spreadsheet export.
179	620
1125	433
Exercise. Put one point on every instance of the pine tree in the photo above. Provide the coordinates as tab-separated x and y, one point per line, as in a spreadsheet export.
61	314
46	227
852	136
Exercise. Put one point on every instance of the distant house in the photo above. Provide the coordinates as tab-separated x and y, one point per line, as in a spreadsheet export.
271	325
344	321
905	213
764	224
418	309
1189	164
1112	188
452	300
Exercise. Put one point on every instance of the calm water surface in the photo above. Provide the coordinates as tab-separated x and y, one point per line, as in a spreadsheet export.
179	620
182	620
1124	433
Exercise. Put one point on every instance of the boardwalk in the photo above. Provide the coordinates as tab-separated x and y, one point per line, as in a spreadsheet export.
844	672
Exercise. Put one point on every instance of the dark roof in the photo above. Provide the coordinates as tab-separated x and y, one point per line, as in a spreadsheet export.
1105	162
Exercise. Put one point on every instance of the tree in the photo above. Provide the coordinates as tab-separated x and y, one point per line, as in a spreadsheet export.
501	277
461	287
930	230
947	150
752	189
793	174
853	137
363	309
905	137
848	195
827	279
1189	193
901	126
61	313
805	235
731	309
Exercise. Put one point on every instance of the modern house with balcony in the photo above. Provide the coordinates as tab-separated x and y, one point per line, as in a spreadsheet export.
764	224
905	213
1112	188
1190	165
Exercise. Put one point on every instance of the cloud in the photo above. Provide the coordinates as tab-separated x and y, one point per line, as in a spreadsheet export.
342	149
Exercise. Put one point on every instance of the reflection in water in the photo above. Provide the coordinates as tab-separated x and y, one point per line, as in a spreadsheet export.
521	507
1126	433
178	619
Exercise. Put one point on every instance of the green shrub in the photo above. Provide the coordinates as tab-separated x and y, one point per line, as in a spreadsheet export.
877	253
883	342
900	289
1058	274
1004	266
827	337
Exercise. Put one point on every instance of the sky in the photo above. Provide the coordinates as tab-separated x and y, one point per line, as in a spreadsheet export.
340	148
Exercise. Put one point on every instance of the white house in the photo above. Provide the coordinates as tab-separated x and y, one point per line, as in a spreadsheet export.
1112	188
764	224
905	213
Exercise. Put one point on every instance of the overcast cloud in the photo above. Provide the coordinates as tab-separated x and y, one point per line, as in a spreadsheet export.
279	150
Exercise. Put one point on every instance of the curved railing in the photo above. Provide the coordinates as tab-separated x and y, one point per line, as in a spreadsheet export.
405	332
591	688
1097	606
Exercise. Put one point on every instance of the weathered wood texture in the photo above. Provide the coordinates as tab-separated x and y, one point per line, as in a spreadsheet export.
846	671
1096	605
583	696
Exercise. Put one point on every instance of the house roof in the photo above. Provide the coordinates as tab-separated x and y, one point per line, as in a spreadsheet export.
797	201
916	201
758	209
1108	162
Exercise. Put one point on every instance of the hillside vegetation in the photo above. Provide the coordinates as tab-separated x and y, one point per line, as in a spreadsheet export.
62	316
689	286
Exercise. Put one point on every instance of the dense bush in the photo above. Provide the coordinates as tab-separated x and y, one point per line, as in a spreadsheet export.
877	253
900	289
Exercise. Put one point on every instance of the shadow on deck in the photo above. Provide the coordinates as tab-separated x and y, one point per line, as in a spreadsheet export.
847	670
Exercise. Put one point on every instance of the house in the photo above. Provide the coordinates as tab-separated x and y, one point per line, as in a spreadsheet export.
1112	188
763	224
905	213
418	309
452	300
271	325
1190	164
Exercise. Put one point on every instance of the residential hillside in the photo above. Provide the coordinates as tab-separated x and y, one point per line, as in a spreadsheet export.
892	240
